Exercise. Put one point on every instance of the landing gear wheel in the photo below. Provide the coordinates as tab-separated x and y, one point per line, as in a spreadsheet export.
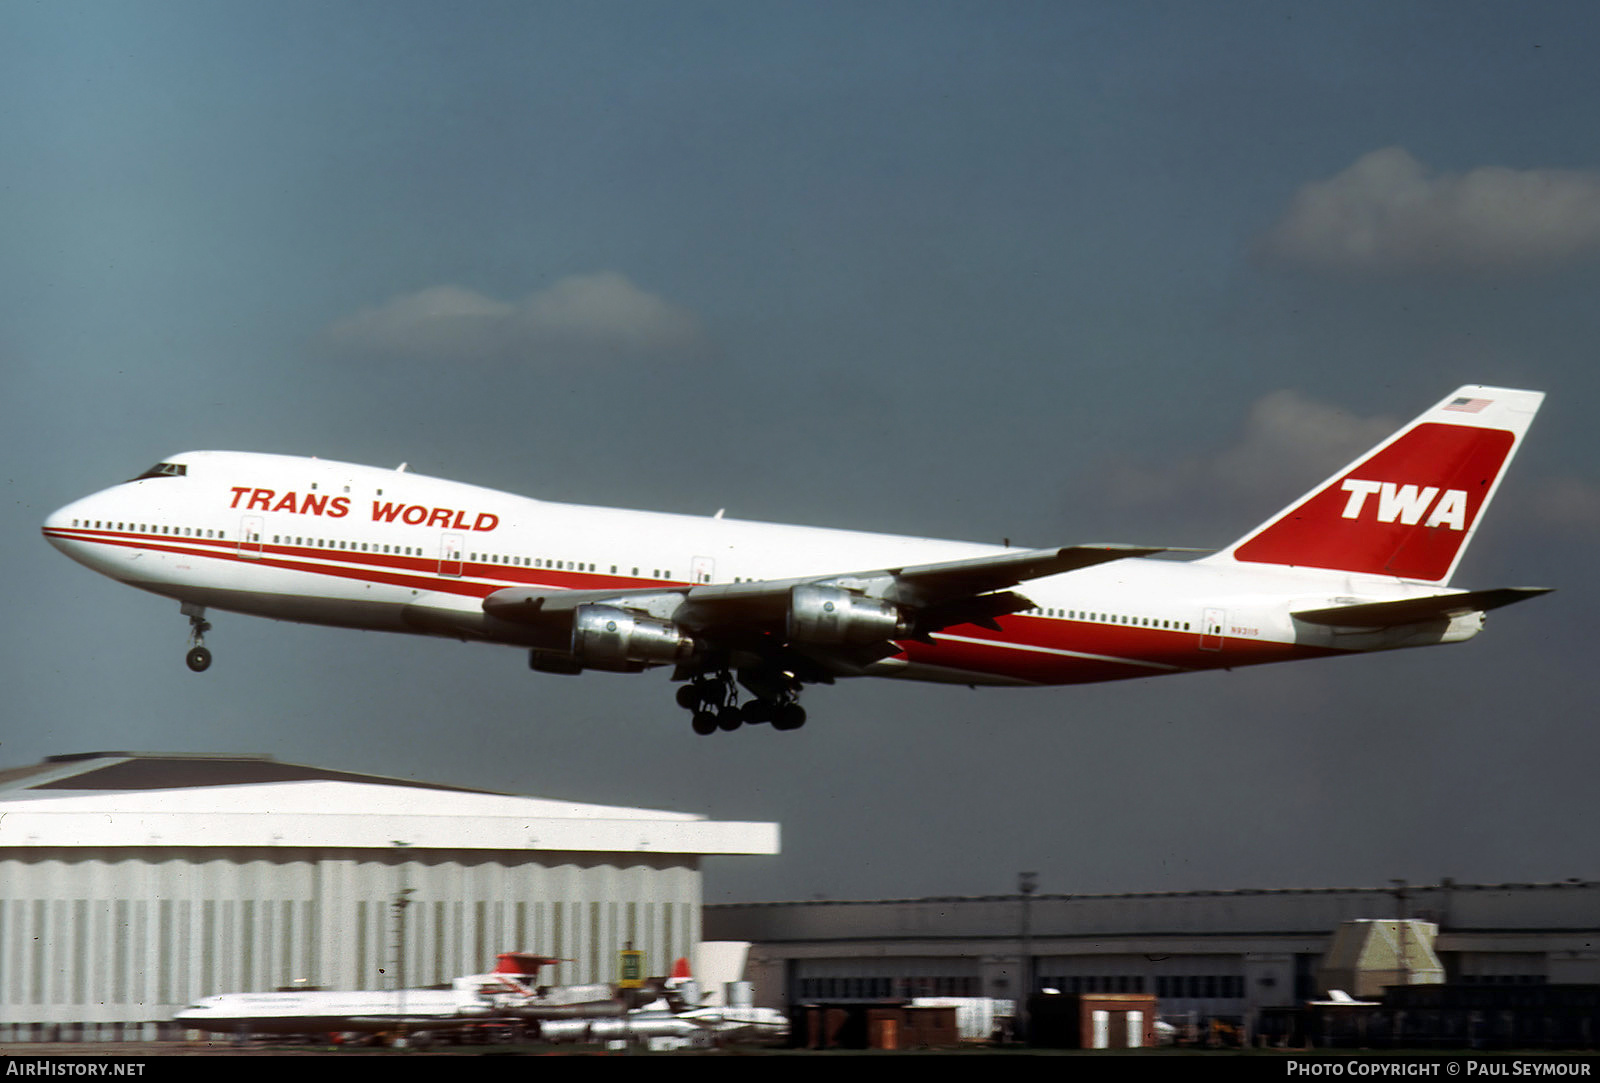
689	697
198	658
705	723
729	719
790	716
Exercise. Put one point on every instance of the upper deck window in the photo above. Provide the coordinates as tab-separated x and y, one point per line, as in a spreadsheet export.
163	470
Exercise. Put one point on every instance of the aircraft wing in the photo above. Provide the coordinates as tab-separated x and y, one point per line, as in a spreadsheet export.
933	595
1418	610
921	583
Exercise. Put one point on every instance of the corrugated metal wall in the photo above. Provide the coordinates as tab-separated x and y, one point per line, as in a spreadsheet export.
129	937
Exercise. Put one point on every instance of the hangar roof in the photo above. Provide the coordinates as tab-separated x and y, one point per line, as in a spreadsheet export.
170	770
98	800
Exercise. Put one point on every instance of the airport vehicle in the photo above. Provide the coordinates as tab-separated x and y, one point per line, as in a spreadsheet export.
1360	563
696	1026
672	1008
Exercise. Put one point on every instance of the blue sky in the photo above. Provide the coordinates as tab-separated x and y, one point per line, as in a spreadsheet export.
1056	272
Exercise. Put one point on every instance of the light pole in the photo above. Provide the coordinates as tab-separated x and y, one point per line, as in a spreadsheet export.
1027	884
401	901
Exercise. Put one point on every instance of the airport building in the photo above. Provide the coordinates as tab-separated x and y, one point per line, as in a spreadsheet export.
1224	955
131	884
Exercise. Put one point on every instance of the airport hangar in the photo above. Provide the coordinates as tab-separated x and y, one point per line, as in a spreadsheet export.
131	884
1222	955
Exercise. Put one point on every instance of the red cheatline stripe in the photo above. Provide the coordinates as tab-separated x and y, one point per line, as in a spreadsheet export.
1051	641
354	564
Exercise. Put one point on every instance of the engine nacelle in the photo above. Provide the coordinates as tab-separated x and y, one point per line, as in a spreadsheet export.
605	637
833	616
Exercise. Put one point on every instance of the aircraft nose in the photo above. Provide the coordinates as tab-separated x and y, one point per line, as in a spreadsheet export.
64	528
58	523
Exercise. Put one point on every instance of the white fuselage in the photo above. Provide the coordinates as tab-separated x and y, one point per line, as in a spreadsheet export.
332	543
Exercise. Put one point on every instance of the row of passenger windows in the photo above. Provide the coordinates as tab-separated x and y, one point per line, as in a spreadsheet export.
1113	618
363	547
473	558
557	565
142	528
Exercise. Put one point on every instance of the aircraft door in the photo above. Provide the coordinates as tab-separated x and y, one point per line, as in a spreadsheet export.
450	549
1211	629
250	528
703	570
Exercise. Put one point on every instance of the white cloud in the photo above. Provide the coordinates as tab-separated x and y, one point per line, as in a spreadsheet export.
1387	213
1288	444
1288	437
583	318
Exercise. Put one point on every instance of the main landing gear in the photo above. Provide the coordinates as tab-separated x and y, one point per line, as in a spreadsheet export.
713	699
198	658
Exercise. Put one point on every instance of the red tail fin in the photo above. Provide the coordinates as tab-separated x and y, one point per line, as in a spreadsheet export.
1410	505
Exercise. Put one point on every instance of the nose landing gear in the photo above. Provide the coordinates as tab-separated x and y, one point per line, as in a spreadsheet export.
198	658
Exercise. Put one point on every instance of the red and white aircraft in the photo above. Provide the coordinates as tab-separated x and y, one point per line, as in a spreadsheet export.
1360	563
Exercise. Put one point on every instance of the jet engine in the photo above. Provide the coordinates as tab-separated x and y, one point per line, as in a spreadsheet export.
833	616
606	637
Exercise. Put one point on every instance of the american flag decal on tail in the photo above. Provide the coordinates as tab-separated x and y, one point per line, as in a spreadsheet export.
1466	405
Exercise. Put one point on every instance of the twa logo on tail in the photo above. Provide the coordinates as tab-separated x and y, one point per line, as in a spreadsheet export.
1407	503
1409	506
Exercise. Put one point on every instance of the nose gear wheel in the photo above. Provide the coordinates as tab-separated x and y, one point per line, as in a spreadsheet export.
198	658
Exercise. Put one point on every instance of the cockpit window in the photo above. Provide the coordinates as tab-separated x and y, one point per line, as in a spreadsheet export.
163	470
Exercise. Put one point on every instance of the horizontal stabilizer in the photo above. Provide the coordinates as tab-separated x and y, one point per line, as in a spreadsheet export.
1417	610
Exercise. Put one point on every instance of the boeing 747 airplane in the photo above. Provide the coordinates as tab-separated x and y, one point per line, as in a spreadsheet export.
1360	563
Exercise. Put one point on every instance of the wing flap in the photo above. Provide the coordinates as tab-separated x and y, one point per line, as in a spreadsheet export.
537	605
1418	610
